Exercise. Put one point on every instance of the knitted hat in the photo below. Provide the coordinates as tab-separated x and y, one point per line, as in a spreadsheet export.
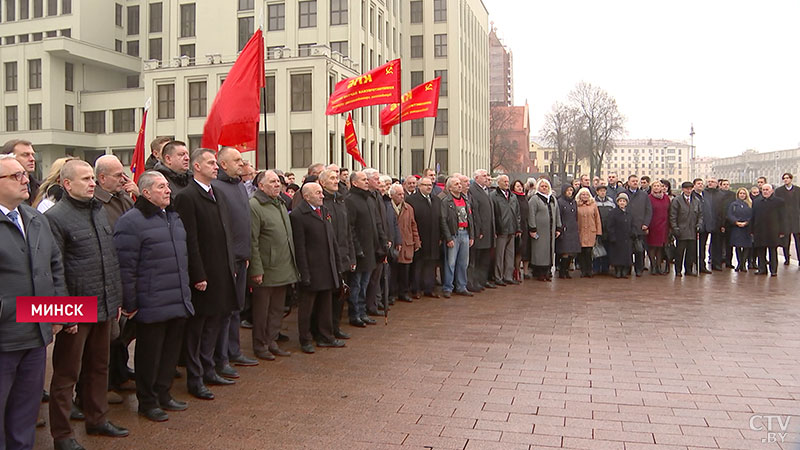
623	195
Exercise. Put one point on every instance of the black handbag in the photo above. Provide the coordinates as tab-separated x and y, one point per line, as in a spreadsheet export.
638	245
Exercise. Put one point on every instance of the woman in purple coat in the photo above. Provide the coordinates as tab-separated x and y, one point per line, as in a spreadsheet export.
658	228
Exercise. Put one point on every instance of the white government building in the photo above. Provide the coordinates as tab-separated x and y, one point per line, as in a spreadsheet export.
78	72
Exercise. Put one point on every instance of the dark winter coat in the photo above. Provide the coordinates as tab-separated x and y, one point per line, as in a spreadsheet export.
428	217
659	223
769	221
523	245
724	200
315	247
364	230
685	219
570	239
483	221
791	207
210	257
506	212
740	211
706	200
391	221
236	211
335	204
605	206
640	209
621	233
177	181
154	263
86	241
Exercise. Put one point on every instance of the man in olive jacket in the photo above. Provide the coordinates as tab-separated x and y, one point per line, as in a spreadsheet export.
272	265
686	221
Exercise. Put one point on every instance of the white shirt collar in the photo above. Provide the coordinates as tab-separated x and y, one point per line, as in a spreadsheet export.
204	186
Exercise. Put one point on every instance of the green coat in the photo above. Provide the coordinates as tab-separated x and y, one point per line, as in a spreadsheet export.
271	242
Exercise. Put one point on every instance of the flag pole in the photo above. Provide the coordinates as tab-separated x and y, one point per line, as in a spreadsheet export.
433	135
400	143
263	102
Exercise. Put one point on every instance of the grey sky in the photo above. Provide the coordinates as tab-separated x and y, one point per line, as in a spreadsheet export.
730	67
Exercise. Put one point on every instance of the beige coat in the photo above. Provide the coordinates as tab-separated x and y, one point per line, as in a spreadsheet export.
408	231
589	224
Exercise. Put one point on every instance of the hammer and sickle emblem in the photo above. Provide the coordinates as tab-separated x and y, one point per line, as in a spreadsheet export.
429	87
393	106
390	70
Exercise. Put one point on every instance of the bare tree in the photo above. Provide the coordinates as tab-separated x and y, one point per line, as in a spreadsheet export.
560	132
602	121
501	150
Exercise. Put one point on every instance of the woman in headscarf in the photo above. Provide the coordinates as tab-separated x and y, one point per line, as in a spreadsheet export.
568	244
522	249
620	236
740	213
544	226
589	228
659	227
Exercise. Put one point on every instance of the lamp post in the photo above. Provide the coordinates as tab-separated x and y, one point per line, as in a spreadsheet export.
692	173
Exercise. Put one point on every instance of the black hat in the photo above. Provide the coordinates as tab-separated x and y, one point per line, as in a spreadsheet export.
687	184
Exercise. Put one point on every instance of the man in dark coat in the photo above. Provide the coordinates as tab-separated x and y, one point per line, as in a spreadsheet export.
375	294
24	153
686	221
769	228
91	268
641	211
507	224
211	272
30	265
709	222
335	204
174	165
791	207
427	213
480	258
726	197
317	256
156	147
150	238
236	210
716	252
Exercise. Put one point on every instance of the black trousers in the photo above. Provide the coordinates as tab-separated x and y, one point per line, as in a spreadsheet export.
742	256
374	291
157	351
424	275
400	279
201	336
728	249
118	360
21	380
318	303
585	260
717	246
761	254
480	264
702	250
787	240
685	254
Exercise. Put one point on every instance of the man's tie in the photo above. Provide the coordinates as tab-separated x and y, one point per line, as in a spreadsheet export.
211	193
13	216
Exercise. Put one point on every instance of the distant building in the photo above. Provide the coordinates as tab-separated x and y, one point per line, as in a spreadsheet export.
656	158
543	157
747	167
702	167
509	143
501	71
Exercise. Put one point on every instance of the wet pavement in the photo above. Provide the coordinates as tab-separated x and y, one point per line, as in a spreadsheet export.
647	363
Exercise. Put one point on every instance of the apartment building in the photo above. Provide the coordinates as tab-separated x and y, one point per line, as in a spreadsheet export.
657	158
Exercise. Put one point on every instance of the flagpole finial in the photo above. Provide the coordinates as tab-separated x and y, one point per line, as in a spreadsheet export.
148	104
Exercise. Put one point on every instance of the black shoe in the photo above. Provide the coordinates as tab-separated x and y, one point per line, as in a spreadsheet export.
368	320
174	405
500	283
465	293
307	348
227	371
446	294
357	323
773	275
490	285
155	415
787	262
405	298
282	338
41	423
341	335
511	282
704	270
202	392
432	295
177	374
277	351
75	413
242	360
678	275
107	429
45	396
216	380
246	324
265	355
334	344
67	444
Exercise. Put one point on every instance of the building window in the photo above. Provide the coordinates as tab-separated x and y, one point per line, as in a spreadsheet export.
301	92
166	101
11	76
51	33
440	10
117	45
416	47
23	38
417	127
38	8
155	17
338	12
416	78
69	77
155	49
270	94
417	160
441	160
23	9
442	82
35	116
440	45
187	20
11	118
416	11
52	7
94	122
36	37
124	120
10	10
66	6
441	123
118	14
270	145
245	30
272	52
133	20
308	14
341	47
133	48
246	5
372	20
380	26
34	74
132	81
188	50
197	99
301	148
10	40
277	15
69	117
304	49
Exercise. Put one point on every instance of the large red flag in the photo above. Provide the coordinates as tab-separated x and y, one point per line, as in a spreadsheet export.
137	163
234	114
351	141
376	87
422	101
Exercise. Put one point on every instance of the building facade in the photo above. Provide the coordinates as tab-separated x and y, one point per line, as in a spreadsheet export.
747	167
509	139
501	71
656	158
544	159
75	81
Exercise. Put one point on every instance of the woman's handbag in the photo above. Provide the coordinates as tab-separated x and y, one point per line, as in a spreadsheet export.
638	245
598	251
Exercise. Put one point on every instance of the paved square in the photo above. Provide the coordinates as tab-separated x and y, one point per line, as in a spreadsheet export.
647	363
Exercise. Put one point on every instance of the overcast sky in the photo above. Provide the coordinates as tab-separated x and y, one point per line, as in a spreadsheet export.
730	67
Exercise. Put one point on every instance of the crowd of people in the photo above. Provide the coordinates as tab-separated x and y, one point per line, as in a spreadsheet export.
204	246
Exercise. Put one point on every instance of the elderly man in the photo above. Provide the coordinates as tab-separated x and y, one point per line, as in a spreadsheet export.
769	229
409	186
24	153
81	229
507	224
272	267
586	182
318	263
248	176
457	228
709	222
28	248
158	300
686	221
174	165
156	146
211	271
408	244
335	204
480	254
374	291
427	215
237	213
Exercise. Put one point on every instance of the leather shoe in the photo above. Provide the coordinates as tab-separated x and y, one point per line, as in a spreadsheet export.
704	270
45	396
465	293
432	295
368	320
107	429
67	444
246	324
341	335
490	285
282	338
678	275
416	295
405	298
216	380
227	371
307	348
155	415
242	360
265	355
500	283
357	323
277	351
75	413
202	392
511	282
446	294
174	405
336	343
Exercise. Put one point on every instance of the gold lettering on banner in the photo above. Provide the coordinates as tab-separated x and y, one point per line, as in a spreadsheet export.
406	97
363	79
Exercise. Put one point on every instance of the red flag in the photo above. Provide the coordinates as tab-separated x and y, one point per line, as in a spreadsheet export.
137	163
422	101
351	141
234	114
377	87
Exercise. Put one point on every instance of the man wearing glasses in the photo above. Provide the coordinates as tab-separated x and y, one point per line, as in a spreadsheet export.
791	200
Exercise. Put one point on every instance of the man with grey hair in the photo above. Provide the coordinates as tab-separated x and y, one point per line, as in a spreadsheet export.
769	228
480	261
375	294
457	231
507	224
409	186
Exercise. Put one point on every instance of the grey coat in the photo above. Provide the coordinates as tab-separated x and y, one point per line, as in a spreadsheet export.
640	208
543	218
482	217
685	219
506	212
236	210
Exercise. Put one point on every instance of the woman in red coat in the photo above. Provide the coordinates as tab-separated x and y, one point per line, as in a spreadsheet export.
659	227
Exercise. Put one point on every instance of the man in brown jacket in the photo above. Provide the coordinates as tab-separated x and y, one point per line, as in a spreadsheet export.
411	242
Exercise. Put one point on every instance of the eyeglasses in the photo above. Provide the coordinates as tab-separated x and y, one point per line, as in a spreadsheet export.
17	176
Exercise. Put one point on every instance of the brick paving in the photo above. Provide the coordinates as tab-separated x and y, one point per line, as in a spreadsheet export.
649	363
